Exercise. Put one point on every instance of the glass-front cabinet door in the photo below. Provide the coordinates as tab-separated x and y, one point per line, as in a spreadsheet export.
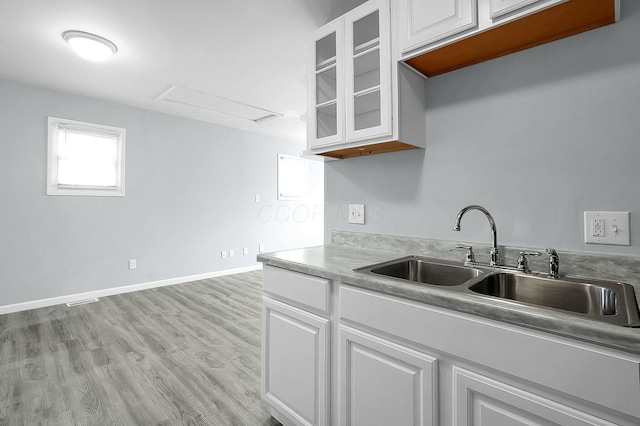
326	89
368	81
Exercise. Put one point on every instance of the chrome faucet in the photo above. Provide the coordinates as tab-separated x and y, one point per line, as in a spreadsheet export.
554	263
494	244
522	264
470	257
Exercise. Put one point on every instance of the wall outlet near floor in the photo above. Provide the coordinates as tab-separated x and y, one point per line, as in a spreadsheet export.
607	228
133	263
223	254
356	214
261	248
231	253
245	250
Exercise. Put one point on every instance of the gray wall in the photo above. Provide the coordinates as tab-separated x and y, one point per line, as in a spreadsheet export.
536	137
190	194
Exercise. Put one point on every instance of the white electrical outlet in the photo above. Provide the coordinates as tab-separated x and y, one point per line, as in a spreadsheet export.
261	248
597	227
231	253
607	228
245	250
133	263
356	214
257	198
223	254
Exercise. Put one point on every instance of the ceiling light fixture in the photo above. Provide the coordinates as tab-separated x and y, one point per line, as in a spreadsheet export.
90	46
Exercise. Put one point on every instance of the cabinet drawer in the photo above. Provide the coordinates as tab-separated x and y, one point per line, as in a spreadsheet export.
593	373
304	291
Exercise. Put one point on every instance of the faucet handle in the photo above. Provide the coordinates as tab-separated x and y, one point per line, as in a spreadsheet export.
554	263
522	265
470	258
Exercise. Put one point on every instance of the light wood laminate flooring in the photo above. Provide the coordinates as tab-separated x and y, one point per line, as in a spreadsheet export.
187	354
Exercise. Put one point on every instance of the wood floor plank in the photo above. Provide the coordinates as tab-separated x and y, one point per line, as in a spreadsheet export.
187	354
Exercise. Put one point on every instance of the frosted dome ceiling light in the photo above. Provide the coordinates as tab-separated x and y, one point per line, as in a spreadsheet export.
90	46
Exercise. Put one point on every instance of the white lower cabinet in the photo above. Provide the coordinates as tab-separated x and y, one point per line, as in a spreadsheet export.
295	363
295	350
334	354
482	401
382	383
478	372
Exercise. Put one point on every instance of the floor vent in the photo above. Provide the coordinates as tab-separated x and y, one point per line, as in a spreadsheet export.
83	302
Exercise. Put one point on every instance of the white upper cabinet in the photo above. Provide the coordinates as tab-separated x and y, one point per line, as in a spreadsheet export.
350	94
424	22
438	36
356	88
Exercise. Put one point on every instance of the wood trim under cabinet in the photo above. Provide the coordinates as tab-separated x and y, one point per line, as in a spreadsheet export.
563	20
360	151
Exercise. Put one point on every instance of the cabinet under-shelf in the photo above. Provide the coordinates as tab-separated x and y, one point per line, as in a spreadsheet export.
564	20
361	151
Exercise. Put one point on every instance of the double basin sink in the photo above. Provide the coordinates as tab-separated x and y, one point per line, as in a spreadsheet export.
606	301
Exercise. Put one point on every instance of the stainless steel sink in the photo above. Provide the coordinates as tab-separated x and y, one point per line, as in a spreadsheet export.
607	301
602	300
424	270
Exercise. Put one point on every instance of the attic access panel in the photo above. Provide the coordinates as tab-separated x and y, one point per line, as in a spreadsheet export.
199	99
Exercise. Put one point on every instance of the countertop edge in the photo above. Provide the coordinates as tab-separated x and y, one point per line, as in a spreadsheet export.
557	323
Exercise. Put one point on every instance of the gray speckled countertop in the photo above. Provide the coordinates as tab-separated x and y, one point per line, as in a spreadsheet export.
336	262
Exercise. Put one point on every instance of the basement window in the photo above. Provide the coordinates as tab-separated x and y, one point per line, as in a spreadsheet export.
292	177
85	159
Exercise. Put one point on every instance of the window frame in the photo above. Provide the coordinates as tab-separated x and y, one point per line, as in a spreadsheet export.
54	188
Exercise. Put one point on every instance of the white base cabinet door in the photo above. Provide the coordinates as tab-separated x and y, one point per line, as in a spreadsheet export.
481	401
383	383
295	361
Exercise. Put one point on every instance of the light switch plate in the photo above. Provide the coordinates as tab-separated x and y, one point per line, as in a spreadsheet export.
356	214
607	228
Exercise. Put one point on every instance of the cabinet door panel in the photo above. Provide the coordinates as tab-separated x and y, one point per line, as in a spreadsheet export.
326	91
368	72
500	8
295	363
385	384
422	22
481	401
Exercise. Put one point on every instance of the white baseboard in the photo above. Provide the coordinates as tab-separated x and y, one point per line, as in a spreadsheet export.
41	303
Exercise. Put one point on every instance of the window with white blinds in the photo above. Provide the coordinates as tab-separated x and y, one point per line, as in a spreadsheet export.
85	159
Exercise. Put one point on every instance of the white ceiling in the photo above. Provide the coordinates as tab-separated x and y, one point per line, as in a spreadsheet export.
250	51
